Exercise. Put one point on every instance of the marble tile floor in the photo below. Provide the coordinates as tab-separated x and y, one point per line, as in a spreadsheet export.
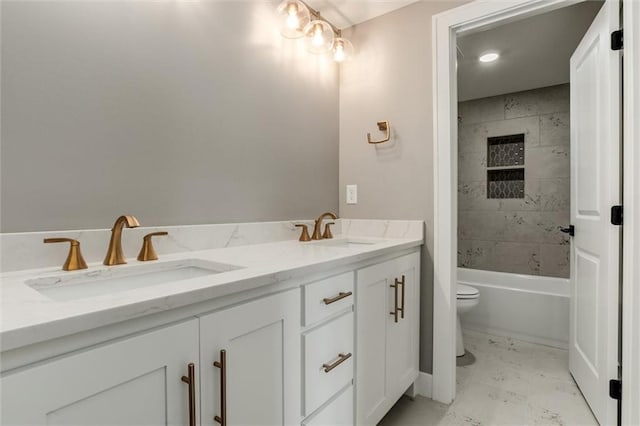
511	383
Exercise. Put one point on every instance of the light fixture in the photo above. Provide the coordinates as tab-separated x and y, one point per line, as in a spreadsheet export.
294	17
342	49
298	19
318	36
489	57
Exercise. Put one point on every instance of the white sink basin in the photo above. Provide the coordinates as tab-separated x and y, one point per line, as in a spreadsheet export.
114	279
347	242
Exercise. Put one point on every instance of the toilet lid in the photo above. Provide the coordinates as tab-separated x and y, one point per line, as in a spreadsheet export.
467	292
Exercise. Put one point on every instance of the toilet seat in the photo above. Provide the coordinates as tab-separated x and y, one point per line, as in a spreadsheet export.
466	292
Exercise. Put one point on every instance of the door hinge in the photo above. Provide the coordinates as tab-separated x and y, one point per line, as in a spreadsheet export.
616	215
615	389
616	40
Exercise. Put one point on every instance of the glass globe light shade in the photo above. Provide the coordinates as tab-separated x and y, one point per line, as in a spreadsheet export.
318	37
294	17
342	49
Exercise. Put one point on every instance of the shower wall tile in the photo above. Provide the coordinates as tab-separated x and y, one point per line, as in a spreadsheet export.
473	137
555	194
516	235
481	110
547	162
554	260
500	256
554	129
472	166
537	102
517	257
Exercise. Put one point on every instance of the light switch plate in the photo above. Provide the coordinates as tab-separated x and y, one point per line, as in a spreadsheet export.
352	194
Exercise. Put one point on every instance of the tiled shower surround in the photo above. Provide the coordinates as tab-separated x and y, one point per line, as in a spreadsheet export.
516	235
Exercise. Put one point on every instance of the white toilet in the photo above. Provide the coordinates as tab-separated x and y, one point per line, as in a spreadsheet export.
467	298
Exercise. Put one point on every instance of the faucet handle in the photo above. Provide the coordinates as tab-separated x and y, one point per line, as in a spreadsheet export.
74	260
327	231
305	232
147	252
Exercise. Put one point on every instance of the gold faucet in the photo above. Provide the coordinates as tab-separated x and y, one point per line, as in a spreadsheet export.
316	229
115	256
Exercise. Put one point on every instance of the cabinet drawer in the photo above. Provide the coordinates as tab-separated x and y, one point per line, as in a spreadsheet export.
338	413
326	297
328	366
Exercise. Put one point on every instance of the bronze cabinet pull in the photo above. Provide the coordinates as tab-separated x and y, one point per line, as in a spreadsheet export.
401	309
395	286
340	296
341	358
222	365
190	379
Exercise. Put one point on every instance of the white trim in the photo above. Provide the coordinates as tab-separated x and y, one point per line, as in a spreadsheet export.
467	18
631	228
423	385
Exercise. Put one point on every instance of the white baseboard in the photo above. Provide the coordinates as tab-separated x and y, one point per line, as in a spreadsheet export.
424	385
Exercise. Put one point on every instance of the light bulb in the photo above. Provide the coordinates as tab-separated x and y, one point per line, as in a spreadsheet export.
342	49
292	21
319	37
318	40
338	56
294	16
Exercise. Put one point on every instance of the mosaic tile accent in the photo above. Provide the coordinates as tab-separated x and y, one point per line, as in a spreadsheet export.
505	183
505	150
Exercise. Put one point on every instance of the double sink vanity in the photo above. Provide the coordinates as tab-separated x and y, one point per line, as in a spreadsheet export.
234	324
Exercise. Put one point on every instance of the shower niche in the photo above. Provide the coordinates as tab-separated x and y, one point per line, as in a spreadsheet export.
505	166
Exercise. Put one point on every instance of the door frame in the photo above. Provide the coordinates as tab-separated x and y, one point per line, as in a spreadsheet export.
467	19
631	228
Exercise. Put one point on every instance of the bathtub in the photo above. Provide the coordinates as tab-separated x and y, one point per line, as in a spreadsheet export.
525	307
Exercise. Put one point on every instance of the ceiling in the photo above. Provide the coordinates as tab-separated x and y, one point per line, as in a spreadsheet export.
345	13
534	52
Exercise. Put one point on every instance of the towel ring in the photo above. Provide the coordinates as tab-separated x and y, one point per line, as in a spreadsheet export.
383	126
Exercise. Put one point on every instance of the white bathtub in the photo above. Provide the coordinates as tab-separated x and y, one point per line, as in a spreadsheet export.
525	307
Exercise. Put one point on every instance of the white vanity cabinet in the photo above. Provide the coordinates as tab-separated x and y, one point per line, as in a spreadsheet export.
256	350
334	348
387	334
132	381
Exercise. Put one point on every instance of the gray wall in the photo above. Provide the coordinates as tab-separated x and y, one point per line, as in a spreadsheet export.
176	112
516	235
390	79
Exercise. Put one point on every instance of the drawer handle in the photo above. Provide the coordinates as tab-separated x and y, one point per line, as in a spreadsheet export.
340	296
190	379
222	365
341	358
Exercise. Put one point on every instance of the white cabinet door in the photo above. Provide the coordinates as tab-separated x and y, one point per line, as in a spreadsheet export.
133	381
261	344
403	336
387	349
372	307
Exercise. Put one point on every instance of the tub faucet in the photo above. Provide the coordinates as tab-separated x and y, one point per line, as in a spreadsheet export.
115	255
316	229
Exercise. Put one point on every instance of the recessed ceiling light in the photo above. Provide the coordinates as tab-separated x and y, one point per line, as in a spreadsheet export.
489	57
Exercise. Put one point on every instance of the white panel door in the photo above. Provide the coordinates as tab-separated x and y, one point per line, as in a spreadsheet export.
261	340
595	187
134	381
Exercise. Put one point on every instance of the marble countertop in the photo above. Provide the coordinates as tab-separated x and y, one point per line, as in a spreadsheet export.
29	316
